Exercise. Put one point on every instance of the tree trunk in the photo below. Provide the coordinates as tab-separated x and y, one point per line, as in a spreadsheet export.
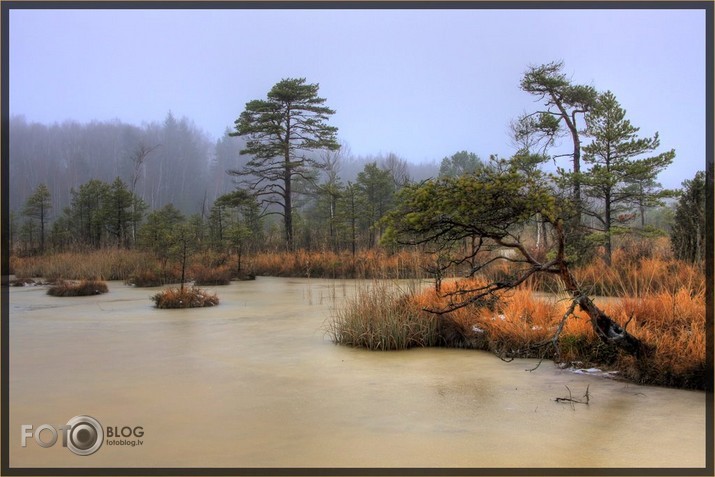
287	176
606	329
287	212
609	224
609	331
183	265
42	228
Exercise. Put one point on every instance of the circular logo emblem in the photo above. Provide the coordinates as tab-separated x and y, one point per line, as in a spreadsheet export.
85	435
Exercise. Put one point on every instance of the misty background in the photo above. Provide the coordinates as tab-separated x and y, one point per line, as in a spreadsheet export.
87	87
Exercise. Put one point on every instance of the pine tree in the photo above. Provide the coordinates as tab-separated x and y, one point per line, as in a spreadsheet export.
280	132
688	233
38	207
564	103
617	174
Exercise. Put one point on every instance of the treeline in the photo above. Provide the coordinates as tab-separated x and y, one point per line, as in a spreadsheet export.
330	214
79	186
281	180
333	215
168	162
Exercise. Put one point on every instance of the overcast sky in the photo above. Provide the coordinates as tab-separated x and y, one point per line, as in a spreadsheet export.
420	83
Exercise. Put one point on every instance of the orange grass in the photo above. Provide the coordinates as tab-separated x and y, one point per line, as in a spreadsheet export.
152	275
672	323
203	275
327	264
138	267
626	277
522	324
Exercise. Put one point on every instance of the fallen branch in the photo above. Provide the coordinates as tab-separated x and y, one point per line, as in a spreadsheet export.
571	400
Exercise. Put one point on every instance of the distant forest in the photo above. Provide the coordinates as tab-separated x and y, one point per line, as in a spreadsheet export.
181	166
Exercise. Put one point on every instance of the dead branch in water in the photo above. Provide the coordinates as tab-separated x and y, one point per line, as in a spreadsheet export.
584	400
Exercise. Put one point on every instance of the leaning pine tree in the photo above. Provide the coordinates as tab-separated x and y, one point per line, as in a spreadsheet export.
281	131
491	208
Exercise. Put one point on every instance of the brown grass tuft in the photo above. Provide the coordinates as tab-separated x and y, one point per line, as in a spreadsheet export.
81	288
208	276
383	317
105	264
367	264
154	277
188	297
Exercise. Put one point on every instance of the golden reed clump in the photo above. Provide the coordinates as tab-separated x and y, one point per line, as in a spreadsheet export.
523	322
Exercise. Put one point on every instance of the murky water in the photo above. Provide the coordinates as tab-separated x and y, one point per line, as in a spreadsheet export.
255	382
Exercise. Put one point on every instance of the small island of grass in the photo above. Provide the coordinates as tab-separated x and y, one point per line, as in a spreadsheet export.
185	297
78	288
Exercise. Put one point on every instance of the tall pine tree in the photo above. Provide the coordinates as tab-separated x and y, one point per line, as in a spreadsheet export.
38	207
614	182
280	133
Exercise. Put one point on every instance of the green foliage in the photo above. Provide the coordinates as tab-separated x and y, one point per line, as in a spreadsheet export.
154	233
100	214
490	205
688	233
324	215
618	179
87	213
376	196
564	101
349	213
39	203
234	223
562	98
460	163
120	211
37	208
279	132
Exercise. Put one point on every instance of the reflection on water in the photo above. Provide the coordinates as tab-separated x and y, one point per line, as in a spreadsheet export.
255	382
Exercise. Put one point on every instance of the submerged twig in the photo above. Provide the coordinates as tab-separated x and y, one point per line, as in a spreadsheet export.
585	400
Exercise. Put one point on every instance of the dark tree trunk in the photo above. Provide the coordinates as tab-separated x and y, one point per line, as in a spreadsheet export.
609	331
609	224
606	329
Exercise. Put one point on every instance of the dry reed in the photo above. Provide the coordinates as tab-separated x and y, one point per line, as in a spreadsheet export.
523	323
105	264
367	264
209	276
383	317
